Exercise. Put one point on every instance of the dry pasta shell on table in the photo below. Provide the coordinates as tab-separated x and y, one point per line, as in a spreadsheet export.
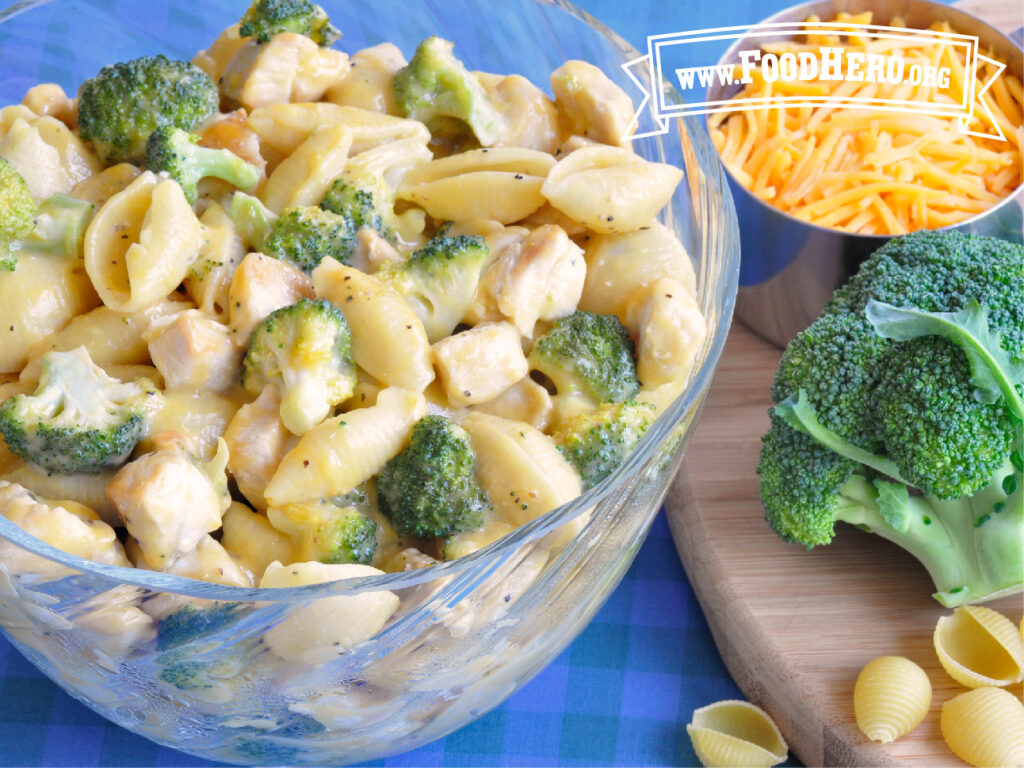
609	189
985	727
891	697
499	183
979	646
736	733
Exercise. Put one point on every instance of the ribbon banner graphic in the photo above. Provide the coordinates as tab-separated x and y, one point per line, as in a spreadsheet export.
812	74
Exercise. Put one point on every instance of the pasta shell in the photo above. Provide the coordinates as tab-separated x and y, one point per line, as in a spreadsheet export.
979	646
891	698
985	727
609	189
736	733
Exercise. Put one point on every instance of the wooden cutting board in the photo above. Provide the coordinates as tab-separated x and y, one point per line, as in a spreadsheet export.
795	627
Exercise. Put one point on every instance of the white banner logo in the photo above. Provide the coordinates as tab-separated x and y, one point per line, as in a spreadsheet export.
819	63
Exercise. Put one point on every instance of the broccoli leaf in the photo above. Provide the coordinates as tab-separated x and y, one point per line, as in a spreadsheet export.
993	372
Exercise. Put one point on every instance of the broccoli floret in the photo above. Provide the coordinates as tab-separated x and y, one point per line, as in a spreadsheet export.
124	103
307	235
364	203
252	219
305	349
177	153
590	354
266	18
437	89
79	419
430	488
16	211
439	280
327	531
57	227
597	441
190	623
900	410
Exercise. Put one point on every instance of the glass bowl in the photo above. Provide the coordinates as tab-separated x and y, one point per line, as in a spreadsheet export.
467	633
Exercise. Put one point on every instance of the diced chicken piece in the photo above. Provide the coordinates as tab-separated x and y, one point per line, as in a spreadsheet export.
368	83
232	132
290	67
526	400
331	626
167	502
215	59
371	251
257	441
591	104
195	351
198	418
262	284
481	363
538	278
671	330
210	561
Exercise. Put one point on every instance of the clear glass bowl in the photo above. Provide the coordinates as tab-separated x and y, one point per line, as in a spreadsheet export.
467	633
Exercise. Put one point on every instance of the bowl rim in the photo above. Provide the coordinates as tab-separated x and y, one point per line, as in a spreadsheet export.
504	548
799	9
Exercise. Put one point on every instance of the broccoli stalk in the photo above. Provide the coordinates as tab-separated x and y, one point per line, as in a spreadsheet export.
57	227
79	419
252	219
266	18
927	452
305	349
177	153
430	489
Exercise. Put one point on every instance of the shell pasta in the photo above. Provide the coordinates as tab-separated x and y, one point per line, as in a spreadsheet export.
400	262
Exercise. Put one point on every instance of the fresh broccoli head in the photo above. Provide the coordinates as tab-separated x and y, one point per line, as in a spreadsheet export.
900	410
364	203
589	354
177	153
327	532
124	103
79	419
307	235
596	442
57	227
304	349
16	211
266	18
439	280
437	89
430	489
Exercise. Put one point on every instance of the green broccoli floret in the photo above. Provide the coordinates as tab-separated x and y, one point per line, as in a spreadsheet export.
430	488
177	153
189	623
597	441
437	89
307	235
364	202
252	219
124	103
16	211
305	349
57	227
266	18
590	354
328	530
900	410
439	280
79	419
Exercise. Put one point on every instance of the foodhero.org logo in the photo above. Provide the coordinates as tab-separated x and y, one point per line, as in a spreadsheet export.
945	83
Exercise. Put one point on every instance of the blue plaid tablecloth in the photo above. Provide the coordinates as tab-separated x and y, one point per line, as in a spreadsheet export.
621	694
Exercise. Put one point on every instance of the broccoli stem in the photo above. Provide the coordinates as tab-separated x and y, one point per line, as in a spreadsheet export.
971	552
799	413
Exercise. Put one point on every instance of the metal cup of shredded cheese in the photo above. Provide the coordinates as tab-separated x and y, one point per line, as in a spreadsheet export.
819	188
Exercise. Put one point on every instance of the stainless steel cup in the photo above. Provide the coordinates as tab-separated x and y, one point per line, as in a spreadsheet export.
790	268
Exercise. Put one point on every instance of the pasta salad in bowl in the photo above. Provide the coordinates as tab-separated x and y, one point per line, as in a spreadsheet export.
341	380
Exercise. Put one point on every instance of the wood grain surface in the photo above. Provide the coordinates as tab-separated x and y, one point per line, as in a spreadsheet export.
794	626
